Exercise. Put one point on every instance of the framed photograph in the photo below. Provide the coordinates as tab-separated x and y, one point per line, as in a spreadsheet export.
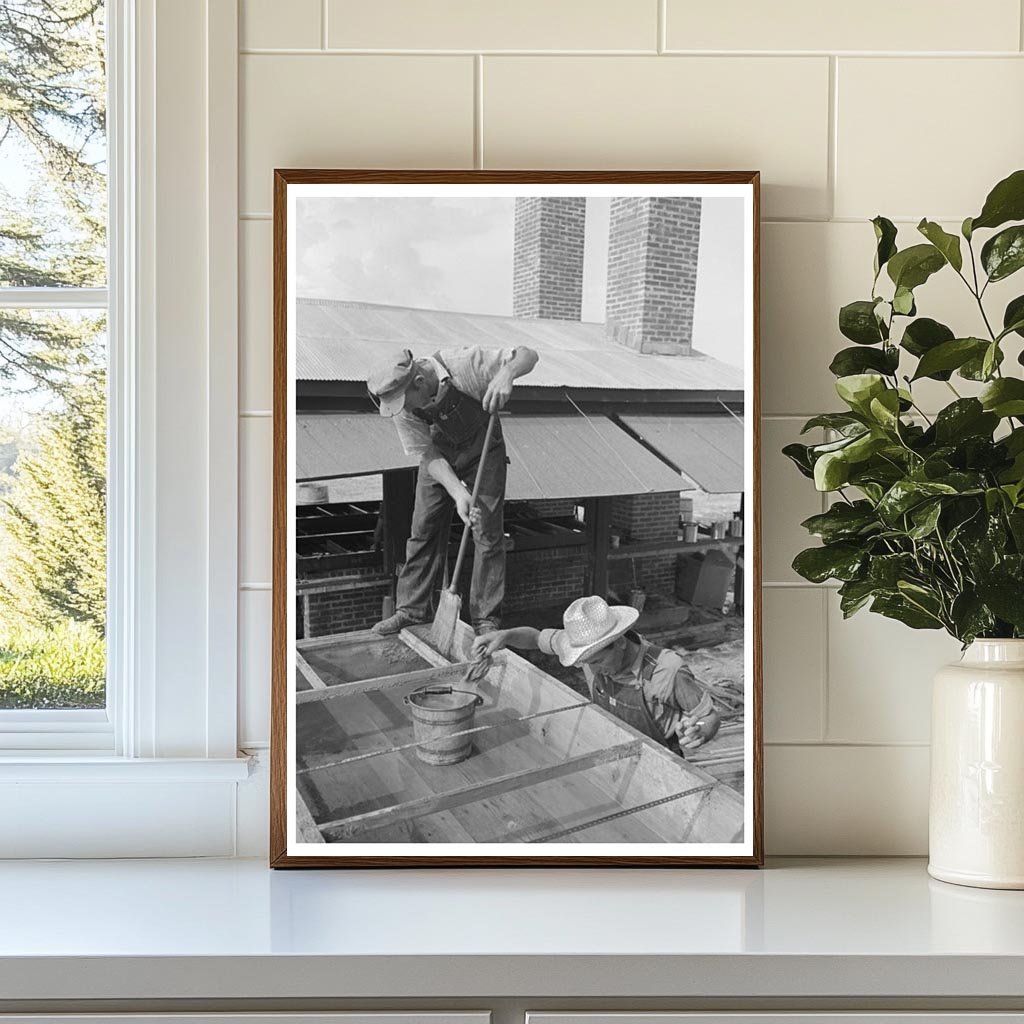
516	545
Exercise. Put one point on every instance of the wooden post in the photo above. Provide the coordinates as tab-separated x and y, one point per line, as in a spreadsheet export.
399	489
599	517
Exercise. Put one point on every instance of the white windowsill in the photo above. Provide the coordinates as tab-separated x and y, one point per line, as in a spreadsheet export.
79	766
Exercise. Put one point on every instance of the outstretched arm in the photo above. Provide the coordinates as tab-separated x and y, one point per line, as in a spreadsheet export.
525	638
499	391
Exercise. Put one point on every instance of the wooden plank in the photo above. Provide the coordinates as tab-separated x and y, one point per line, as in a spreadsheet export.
447	674
304	823
309	675
481	790
329	639
417	637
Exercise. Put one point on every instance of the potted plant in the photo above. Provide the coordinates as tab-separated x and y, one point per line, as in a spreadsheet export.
927	521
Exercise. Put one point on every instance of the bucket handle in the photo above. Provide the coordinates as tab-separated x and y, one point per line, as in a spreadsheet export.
441	691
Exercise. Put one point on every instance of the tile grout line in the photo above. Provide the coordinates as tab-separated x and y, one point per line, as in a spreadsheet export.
848	744
258	51
662	27
832	146
825	651
478	111
323	24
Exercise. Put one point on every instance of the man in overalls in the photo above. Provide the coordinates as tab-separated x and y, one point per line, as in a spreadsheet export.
647	687
441	405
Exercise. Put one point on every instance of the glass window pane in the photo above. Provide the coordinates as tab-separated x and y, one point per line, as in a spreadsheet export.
52	508
53	150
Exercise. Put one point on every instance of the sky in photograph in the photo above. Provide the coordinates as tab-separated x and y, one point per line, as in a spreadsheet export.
456	254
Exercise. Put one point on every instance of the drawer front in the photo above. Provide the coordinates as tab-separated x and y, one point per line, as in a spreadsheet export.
776	1018
361	1017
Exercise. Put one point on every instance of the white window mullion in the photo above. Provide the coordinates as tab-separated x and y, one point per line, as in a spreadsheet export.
53	298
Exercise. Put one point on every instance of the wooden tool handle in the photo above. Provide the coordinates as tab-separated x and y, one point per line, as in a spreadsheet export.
472	501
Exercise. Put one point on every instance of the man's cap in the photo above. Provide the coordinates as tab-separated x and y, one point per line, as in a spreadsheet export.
388	382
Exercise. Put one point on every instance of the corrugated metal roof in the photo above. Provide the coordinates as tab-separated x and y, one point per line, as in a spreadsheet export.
336	444
338	341
708	449
572	456
560	456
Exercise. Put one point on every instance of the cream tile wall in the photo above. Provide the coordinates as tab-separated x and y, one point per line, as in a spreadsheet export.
906	109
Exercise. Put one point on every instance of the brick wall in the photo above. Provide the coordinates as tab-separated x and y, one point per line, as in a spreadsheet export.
548	259
540	579
652	272
642	518
341	603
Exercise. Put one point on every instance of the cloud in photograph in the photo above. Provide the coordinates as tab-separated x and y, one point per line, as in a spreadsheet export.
433	253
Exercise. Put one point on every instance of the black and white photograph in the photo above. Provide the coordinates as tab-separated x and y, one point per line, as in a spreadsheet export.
515	534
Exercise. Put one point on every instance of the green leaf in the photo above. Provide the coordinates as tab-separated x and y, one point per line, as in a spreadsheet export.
1013	317
912	267
925	518
850	361
842	521
974	368
857	321
858	389
886	571
904	495
854	594
1003	254
897	607
966	417
991	360
1001	591
966	229
971	617
1005	202
885	237
947	244
903	302
885	409
949	355
833	420
840	561
923	335
1004	397
800	456
831	471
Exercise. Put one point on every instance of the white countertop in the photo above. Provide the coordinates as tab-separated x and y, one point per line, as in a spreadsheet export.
233	928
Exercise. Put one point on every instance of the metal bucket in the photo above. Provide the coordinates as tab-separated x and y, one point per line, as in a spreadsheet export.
437	713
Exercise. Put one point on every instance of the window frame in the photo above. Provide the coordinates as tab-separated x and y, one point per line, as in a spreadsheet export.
79	730
168	152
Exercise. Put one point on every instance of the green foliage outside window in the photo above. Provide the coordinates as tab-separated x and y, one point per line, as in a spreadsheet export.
52	365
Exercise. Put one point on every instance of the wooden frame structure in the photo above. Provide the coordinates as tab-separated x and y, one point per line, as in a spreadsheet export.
548	766
618	750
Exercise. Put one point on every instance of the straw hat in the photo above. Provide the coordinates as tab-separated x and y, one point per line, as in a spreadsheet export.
589	624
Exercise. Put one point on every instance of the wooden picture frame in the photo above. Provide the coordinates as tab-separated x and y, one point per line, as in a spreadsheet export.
615	753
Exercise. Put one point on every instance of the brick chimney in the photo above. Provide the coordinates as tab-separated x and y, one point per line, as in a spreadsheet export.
547	278
652	272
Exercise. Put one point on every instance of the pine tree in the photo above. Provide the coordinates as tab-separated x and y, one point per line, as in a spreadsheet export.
53	122
53	520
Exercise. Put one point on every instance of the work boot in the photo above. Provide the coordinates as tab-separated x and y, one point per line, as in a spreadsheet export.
397	622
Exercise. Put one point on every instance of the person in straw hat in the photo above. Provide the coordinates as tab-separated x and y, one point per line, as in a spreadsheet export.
440	406
647	687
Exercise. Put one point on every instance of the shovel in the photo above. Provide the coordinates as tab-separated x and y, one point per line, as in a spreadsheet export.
442	634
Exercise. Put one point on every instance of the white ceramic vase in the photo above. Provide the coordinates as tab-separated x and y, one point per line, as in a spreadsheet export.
976	817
